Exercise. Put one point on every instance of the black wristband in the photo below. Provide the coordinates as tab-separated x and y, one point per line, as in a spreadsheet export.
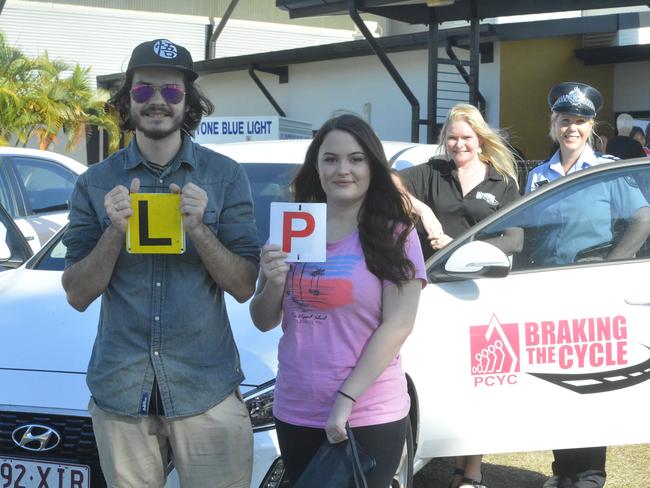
345	395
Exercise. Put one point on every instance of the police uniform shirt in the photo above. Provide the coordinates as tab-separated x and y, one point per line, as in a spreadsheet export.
552	169
571	226
436	183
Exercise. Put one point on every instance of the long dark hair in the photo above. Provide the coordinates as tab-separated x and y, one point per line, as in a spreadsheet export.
196	102
384	217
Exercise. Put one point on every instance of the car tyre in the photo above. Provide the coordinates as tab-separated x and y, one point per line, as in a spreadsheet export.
404	475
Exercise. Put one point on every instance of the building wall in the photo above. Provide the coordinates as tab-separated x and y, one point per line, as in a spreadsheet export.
103	38
260	10
99	38
528	71
632	92
316	91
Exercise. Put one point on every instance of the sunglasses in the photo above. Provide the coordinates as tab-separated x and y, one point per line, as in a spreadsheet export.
171	93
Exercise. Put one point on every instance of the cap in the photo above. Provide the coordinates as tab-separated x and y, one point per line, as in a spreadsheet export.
575	99
161	53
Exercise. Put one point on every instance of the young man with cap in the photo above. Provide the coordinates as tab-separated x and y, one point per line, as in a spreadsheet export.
164	372
574	106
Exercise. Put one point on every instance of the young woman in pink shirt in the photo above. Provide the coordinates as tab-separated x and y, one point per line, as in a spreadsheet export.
344	320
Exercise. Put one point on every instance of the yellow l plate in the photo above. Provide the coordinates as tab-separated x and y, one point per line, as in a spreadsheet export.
156	226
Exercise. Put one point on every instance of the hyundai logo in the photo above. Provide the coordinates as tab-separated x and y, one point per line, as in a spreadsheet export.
35	437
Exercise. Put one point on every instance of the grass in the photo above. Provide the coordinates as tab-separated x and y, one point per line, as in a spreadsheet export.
627	466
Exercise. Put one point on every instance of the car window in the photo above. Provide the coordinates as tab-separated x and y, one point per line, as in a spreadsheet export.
4	195
14	250
5	252
54	258
6	199
47	183
582	221
269	183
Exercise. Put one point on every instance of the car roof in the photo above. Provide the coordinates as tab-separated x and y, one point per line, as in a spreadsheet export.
66	161
275	151
293	151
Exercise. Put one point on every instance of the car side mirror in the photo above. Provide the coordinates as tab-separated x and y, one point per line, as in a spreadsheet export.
478	259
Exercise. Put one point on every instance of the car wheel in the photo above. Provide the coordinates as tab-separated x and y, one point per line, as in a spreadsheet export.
404	475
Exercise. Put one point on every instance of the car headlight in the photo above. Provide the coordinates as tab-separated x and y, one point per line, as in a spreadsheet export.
259	402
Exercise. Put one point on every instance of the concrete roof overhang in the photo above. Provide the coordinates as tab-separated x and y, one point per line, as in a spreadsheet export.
615	54
273	61
419	12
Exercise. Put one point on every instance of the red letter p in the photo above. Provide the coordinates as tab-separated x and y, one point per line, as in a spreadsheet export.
289	233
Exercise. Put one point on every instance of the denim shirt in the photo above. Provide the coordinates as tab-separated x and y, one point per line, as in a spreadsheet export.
163	315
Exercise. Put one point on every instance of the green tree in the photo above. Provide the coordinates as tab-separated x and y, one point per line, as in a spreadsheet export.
15	69
40	97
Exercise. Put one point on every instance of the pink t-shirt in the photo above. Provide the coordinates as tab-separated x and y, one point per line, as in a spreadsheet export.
330	311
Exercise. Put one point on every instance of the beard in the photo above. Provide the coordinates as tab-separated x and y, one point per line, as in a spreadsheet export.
157	129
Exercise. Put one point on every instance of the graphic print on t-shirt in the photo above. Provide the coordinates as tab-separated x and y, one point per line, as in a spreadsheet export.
322	286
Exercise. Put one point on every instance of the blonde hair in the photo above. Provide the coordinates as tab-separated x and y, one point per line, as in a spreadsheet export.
557	115
494	149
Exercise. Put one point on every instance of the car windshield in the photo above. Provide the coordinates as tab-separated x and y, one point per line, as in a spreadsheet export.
269	183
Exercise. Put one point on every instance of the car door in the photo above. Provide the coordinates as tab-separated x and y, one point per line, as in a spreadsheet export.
45	187
553	354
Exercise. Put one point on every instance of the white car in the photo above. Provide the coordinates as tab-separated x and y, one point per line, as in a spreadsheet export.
35	187
45	346
481	364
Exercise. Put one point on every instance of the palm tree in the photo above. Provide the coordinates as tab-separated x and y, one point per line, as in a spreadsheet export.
86	107
41	97
15	69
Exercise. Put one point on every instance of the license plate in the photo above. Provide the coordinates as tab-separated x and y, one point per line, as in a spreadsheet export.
23	473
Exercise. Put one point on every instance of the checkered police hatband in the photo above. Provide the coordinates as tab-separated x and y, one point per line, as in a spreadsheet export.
576	98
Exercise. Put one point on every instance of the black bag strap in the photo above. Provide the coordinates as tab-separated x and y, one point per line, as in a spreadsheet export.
357	471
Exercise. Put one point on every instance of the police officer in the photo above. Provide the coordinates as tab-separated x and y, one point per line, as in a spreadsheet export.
574	106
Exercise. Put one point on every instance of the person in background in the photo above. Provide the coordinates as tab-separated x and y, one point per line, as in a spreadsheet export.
638	135
344	320
622	145
574	107
624	125
477	177
164	372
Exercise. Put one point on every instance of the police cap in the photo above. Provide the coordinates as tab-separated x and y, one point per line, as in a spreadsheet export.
575	99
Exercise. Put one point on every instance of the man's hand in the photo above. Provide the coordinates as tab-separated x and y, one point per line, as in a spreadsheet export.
194	201
117	203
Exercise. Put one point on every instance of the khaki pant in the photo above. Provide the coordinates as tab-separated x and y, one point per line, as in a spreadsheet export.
212	449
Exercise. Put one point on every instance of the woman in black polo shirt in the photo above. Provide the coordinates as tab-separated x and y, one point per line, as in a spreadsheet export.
477	177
